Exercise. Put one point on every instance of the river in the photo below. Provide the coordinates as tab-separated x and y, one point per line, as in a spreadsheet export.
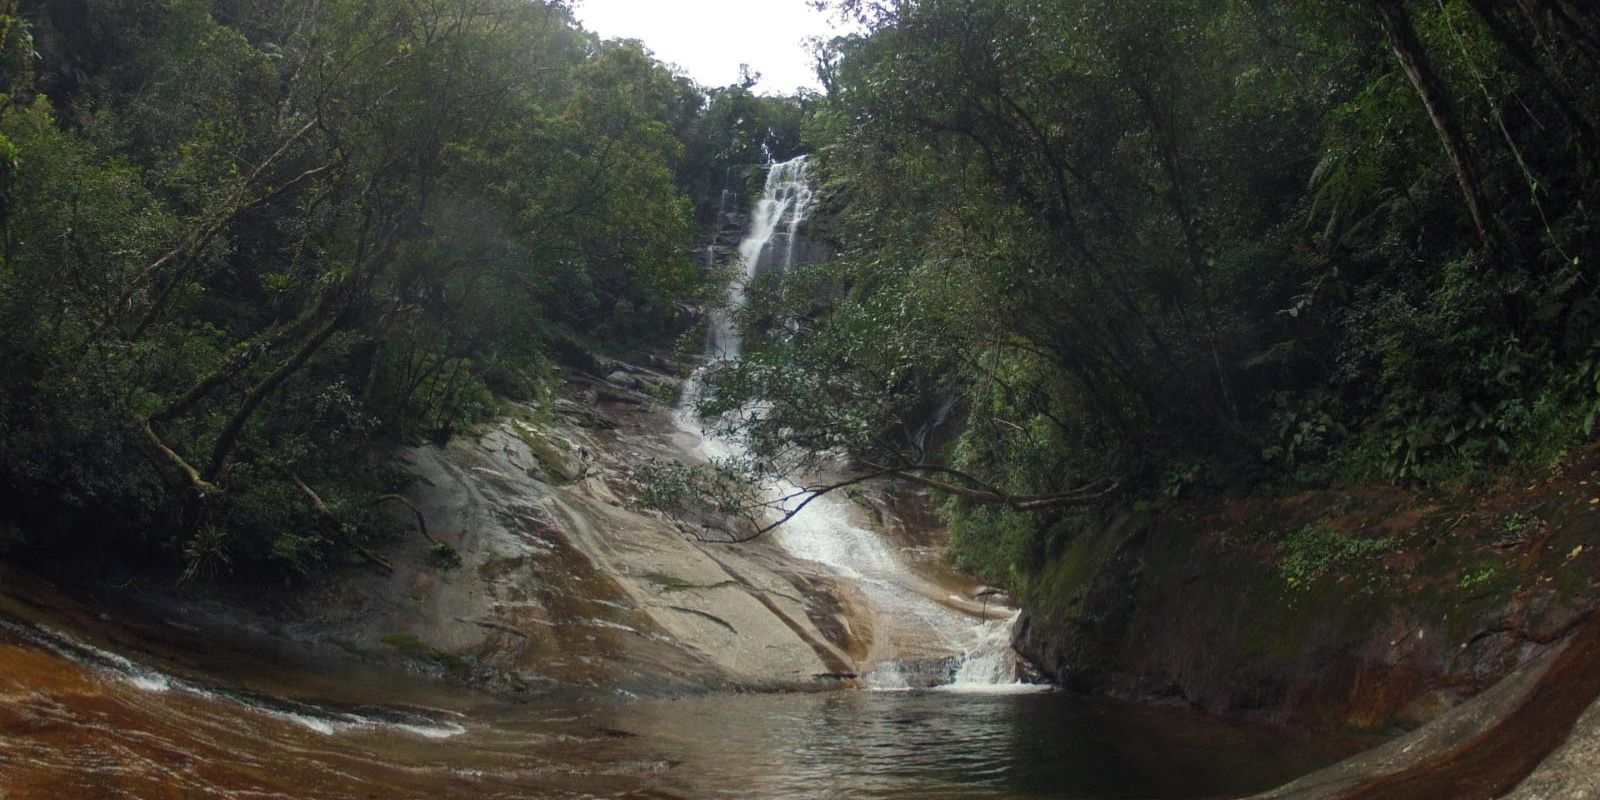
80	722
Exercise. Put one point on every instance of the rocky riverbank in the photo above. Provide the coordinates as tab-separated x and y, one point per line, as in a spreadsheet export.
535	567
1368	609
1374	609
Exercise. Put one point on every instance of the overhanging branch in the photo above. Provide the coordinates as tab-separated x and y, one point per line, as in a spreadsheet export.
758	515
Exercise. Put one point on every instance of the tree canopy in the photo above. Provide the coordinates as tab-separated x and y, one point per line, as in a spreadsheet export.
248	243
1169	246
1081	252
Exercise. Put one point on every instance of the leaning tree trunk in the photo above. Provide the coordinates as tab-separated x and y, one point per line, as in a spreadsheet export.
1413	59
1553	83
230	433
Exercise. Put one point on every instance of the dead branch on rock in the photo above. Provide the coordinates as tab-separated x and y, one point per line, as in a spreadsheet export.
422	524
328	518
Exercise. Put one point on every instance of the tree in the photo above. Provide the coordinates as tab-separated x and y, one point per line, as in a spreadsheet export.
1396	23
253	241
1172	246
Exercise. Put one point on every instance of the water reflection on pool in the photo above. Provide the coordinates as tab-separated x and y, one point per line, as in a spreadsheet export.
950	745
84	723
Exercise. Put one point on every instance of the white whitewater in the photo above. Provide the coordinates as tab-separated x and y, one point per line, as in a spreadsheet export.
785	204
326	721
930	642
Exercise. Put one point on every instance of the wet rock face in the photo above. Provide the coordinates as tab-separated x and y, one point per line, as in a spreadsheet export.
1533	735
566	579
1076	645
719	240
1166	610
1572	771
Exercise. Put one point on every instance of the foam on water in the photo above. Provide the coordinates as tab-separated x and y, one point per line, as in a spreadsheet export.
886	677
147	679
991	665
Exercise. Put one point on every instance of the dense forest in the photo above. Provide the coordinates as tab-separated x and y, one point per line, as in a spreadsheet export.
247	245
1097	254
1084	253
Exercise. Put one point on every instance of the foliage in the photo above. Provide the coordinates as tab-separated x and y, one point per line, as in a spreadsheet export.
698	496
443	556
1478	578
988	542
247	244
1087	252
1517	522
1177	246
736	134
1317	550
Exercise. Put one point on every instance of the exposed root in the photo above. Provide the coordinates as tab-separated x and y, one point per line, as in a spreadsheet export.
422	524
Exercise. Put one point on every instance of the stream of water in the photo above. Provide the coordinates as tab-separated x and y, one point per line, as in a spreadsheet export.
922	639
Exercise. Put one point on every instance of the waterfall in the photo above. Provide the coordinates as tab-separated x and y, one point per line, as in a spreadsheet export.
921	641
990	664
784	204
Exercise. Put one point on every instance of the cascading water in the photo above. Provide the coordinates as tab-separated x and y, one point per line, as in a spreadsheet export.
784	204
921	641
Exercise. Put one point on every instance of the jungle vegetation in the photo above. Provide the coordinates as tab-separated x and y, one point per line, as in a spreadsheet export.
1093	253
246	245
1085	253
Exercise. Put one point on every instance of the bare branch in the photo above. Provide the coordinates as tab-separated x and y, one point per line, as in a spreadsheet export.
326	515
422	524
202	486
1087	494
761	524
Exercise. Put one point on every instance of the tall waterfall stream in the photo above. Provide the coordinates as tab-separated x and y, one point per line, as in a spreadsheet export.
921	641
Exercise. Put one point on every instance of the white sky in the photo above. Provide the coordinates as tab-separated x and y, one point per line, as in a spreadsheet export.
709	39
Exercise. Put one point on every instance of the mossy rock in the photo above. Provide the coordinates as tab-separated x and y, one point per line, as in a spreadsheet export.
553	455
413	648
669	583
407	644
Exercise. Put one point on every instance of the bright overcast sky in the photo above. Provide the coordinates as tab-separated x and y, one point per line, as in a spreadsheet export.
709	39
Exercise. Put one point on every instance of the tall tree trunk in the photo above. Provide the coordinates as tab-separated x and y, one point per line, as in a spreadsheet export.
369	265
240	358
230	433
1522	52
1413	59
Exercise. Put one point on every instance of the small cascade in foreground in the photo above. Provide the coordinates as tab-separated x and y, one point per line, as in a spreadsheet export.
933	645
991	664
